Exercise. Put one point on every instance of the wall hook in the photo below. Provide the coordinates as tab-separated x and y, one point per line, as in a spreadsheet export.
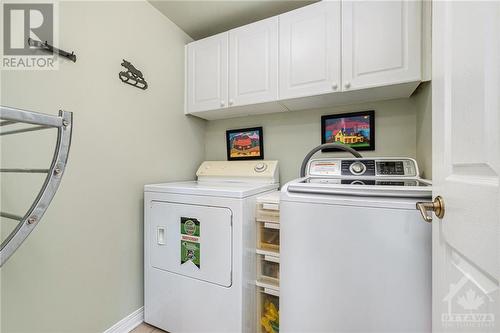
44	46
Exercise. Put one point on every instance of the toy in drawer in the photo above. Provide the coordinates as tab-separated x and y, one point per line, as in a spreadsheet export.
268	236
268	269
268	311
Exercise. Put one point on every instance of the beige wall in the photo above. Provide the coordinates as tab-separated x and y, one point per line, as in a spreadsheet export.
289	136
81	270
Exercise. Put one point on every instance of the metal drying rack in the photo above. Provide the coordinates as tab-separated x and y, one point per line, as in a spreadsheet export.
64	123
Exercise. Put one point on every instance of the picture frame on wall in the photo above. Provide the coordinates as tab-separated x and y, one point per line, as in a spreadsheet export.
354	129
245	144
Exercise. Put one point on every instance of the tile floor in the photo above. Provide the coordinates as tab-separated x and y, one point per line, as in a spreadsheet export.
145	328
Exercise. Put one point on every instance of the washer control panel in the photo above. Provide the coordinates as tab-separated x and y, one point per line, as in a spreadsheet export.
364	167
359	167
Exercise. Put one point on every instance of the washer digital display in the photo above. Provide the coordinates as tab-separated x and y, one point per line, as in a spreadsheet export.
390	168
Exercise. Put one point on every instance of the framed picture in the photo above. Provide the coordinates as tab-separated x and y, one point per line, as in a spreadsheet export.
356	129
245	144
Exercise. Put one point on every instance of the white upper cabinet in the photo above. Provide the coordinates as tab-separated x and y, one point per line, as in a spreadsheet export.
253	63
381	43
207	73
310	40
325	54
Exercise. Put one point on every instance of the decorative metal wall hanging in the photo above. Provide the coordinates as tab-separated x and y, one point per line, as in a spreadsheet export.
132	76
44	46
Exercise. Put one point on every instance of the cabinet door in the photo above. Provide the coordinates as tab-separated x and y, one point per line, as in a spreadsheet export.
380	43
207	73
253	63
310	50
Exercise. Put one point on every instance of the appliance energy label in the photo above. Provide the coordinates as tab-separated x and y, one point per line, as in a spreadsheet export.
190	241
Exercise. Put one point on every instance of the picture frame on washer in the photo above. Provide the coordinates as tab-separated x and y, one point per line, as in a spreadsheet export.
354	129
245	144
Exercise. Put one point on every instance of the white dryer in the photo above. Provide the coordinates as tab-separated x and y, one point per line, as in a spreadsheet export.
355	252
199	241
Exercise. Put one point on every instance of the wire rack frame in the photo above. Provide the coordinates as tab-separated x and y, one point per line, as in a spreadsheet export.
64	124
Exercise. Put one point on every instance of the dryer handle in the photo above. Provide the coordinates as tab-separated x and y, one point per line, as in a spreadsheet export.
323	146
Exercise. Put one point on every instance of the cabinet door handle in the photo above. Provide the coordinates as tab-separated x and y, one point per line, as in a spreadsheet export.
231	102
222	103
334	86
347	85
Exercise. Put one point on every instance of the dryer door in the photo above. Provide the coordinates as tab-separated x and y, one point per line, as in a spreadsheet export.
192	240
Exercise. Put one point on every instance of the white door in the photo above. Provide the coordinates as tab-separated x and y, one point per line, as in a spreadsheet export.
310	50
253	63
381	42
207	73
192	240
466	165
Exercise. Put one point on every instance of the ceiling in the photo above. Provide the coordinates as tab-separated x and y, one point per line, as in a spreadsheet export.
200	19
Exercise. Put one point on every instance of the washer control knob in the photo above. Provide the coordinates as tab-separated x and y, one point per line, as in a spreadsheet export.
260	167
357	168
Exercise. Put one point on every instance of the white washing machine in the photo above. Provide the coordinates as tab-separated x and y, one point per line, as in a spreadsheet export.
199	241
355	252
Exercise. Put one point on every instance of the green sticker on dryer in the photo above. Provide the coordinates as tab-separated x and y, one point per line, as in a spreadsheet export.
190	241
190	251
190	226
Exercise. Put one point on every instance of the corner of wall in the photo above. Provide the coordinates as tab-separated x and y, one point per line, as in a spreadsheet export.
188	38
423	103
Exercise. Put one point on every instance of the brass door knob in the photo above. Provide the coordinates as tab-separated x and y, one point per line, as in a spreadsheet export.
436	206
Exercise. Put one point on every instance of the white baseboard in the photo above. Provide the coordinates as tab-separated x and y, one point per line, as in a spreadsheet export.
128	323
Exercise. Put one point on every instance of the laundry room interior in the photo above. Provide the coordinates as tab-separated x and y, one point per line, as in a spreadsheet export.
222	166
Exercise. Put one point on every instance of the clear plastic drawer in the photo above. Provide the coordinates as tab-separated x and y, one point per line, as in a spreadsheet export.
268	311
268	268
268	236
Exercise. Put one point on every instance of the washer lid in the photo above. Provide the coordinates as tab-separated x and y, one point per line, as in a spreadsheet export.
214	189
407	188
